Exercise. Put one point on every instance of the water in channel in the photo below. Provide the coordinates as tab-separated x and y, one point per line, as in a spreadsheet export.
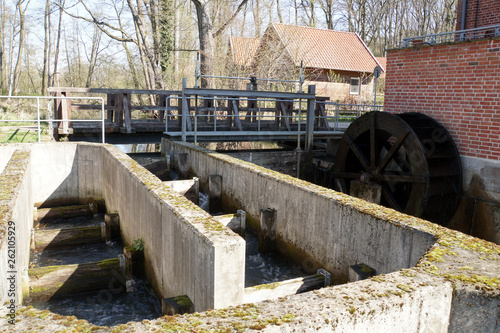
112	306
262	268
109	307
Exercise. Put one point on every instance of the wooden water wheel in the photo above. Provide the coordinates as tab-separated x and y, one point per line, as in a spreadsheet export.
411	156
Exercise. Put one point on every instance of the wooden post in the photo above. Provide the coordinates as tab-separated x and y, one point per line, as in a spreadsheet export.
185	110
119	110
127	113
162	103
252	105
63	112
111	102
310	124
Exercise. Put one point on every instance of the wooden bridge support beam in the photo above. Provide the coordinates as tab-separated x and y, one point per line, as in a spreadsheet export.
310	124
62	109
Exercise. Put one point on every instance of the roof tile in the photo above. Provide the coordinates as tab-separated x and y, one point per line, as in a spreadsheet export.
322	48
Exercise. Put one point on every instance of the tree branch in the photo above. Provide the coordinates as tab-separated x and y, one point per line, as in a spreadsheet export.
100	25
224	26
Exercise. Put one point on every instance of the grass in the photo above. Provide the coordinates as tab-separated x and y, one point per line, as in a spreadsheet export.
12	134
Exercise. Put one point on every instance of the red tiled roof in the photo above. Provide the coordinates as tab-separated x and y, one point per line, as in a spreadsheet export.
328	49
244	49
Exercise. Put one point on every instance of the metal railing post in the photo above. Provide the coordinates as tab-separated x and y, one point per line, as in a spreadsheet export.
184	109
38	119
167	101
337	115
103	121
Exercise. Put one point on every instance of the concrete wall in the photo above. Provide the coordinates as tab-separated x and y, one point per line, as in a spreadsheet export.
187	251
478	213
16	222
316	226
55	174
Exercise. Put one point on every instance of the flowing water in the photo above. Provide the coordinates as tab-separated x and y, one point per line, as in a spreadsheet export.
109	308
262	268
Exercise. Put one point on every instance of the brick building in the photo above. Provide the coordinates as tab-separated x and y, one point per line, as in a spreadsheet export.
455	79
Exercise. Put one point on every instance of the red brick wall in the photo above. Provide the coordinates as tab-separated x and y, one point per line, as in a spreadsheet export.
488	13
457	84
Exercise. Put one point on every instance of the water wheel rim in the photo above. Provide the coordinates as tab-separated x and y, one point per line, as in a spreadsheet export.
394	158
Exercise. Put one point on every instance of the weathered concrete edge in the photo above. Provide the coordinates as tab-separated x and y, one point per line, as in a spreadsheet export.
401	302
14	181
446	238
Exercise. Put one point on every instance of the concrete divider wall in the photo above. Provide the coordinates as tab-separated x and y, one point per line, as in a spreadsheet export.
316	226
16	223
55	173
187	251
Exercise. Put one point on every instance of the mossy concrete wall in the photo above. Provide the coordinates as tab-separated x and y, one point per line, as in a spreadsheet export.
457	267
316	226
187	251
16	223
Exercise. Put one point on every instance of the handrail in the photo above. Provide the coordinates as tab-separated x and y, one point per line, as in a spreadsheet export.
452	36
39	120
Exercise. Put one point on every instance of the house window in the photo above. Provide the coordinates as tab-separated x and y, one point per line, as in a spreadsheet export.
354	85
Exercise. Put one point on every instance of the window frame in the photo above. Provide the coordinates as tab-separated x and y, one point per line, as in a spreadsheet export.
358	79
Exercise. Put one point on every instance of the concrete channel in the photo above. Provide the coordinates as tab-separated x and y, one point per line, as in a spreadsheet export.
427	278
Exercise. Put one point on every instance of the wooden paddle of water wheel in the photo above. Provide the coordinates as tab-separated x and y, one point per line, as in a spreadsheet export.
411	156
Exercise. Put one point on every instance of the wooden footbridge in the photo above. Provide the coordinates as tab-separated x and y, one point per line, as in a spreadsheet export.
199	115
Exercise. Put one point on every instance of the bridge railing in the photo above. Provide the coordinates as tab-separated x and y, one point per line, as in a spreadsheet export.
338	116
452	36
120	104
44	115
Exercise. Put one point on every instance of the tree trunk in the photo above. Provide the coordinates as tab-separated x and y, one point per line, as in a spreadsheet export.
46	28
203	11
55	74
16	69
278	11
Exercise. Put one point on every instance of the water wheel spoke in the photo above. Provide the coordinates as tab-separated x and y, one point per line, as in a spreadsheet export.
390	199
355	149
395	147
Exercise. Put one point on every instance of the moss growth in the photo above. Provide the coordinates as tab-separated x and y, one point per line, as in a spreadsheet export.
41	271
37	290
405	288
184	301
272	286
109	263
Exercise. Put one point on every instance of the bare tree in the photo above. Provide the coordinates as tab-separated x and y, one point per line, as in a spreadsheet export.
46	47
206	33
55	74
19	30
3	34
